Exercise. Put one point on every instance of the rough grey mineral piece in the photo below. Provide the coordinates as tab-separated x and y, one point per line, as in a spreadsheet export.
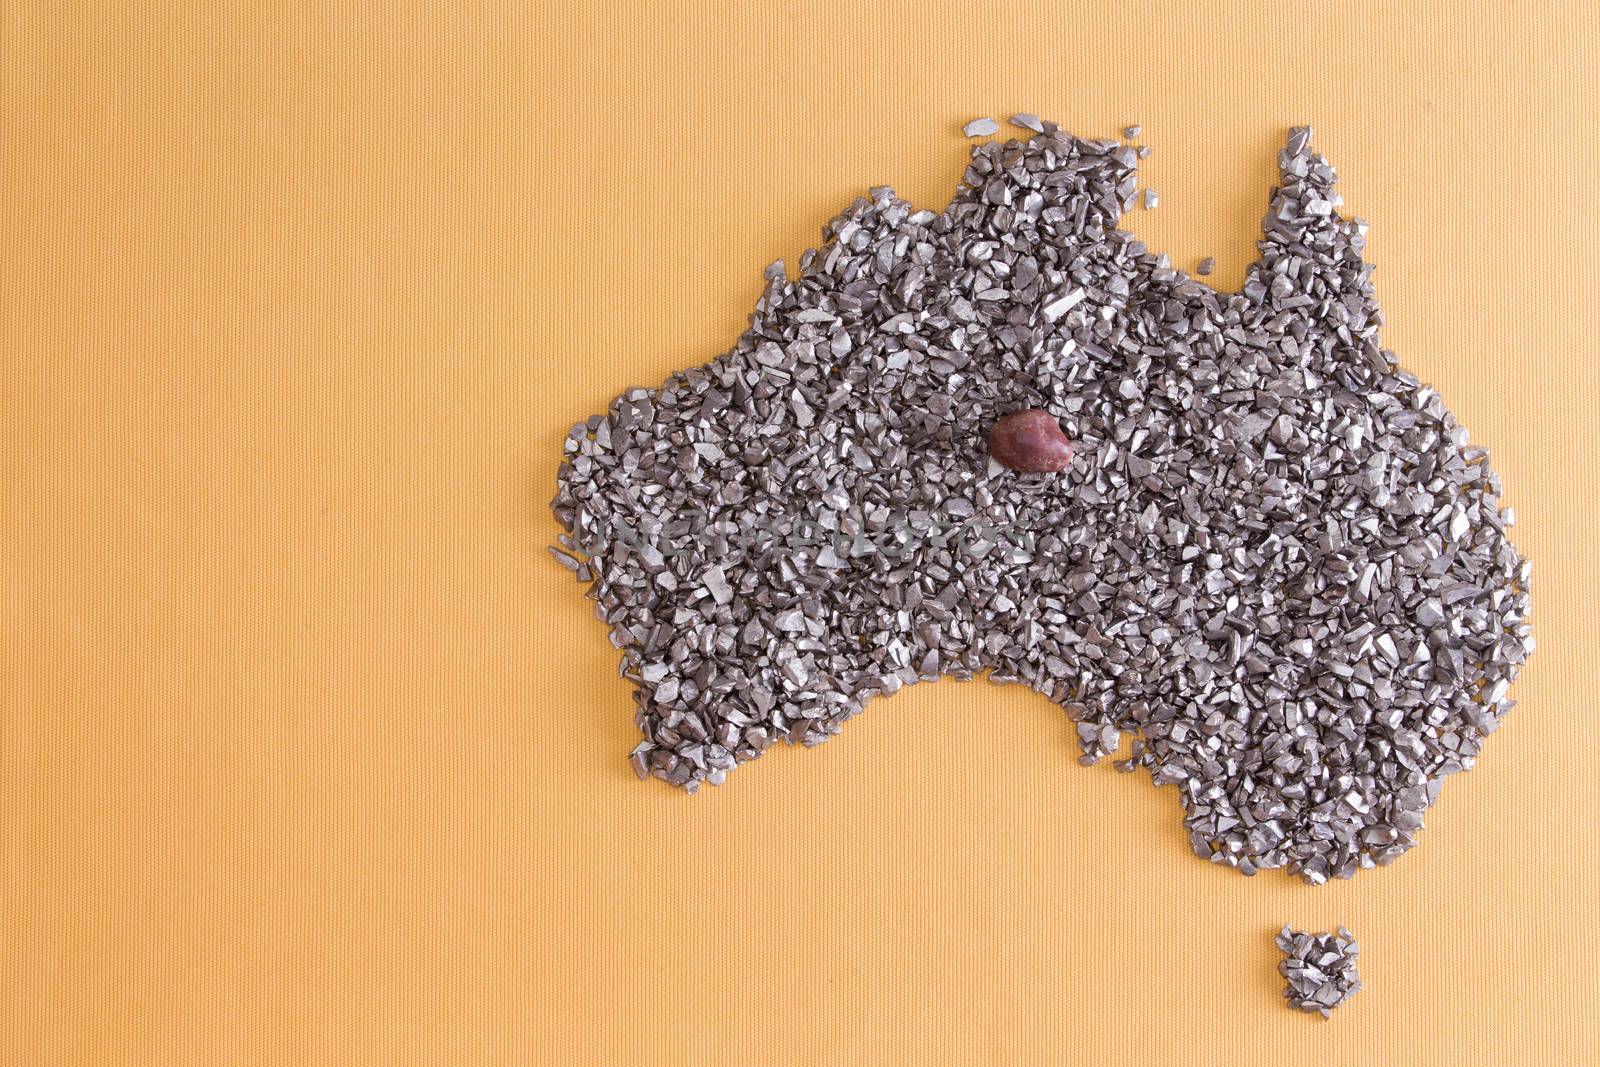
980	128
1274	561
1320	969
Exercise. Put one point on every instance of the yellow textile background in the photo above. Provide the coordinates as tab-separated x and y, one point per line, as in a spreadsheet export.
309	754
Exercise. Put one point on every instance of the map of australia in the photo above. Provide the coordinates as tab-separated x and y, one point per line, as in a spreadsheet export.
1270	571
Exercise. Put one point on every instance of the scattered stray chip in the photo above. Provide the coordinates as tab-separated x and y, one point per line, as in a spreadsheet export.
1151	199
1206	266
1320	969
1131	132
1028	122
981	127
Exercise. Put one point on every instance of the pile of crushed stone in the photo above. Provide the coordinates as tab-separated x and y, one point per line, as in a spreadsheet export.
1274	561
1320	969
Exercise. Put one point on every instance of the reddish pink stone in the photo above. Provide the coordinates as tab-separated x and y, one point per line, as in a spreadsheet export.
1030	441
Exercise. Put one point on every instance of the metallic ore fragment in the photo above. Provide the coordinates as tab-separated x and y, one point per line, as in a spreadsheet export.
1275	560
716	584
1027	121
1062	304
980	128
1206	266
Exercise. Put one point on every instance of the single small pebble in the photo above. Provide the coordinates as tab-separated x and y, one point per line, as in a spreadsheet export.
1151	199
1206	266
1144	151
1131	132
1028	122
981	128
1030	441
